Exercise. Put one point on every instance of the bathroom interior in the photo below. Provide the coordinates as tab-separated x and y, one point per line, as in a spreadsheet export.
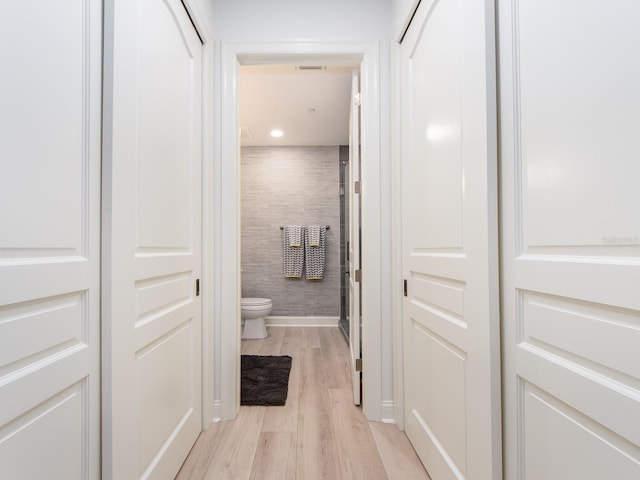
299	178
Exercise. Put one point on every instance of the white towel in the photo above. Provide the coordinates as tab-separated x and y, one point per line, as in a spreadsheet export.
315	256
292	254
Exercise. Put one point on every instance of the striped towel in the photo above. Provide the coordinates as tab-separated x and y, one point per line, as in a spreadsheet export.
292	253
315	237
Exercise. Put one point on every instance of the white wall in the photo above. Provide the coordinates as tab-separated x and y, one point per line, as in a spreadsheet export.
259	20
402	13
327	21
202	10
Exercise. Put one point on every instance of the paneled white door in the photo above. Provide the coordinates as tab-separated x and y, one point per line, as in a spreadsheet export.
355	296
450	254
570	161
152	349
50	114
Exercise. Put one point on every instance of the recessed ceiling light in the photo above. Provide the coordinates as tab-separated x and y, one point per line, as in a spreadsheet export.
277	133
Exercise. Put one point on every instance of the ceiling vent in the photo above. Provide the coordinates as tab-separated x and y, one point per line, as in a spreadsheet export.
311	67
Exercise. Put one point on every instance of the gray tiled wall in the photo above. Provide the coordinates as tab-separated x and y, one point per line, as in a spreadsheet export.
289	185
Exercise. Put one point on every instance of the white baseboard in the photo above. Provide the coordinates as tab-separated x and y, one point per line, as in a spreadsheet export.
275	321
387	412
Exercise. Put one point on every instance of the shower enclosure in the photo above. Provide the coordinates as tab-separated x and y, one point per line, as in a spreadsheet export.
343	160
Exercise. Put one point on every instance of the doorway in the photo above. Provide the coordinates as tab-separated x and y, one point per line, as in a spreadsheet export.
227	208
292	179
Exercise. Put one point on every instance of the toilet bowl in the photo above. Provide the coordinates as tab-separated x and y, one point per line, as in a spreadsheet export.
253	311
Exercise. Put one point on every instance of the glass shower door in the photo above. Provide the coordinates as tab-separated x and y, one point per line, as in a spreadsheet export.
344	240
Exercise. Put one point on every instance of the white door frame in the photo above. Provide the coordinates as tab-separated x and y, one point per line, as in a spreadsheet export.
207	224
226	211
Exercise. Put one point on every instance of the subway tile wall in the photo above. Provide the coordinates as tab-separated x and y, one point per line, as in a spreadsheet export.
289	185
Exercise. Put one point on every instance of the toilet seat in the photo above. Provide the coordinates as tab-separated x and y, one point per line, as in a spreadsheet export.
255	302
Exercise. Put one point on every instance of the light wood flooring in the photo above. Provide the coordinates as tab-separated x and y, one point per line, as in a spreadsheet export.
318	434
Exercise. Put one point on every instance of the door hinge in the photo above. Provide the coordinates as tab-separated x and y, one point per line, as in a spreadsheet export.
197	287
405	288
357	99
358	364
356	186
358	275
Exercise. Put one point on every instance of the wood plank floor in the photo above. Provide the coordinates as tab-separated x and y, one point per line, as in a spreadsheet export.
318	434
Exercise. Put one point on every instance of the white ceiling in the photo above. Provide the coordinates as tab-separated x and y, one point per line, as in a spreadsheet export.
281	97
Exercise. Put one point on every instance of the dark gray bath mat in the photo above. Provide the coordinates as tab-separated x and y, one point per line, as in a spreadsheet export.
264	379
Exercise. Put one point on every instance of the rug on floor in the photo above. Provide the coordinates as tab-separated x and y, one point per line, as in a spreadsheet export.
264	379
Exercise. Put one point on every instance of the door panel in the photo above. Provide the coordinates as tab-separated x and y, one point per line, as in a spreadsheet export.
451	322
355	296
50	97
552	425
154	228
571	239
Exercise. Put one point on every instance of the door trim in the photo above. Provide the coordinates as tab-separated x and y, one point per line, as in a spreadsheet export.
226	210
207	224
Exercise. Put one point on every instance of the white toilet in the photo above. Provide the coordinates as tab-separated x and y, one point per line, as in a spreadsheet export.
253	311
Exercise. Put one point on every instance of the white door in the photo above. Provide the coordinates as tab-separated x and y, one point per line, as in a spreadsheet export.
451	319
353	252
570	161
50	100
152	162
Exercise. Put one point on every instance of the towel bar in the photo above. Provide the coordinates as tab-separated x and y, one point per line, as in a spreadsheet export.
282	227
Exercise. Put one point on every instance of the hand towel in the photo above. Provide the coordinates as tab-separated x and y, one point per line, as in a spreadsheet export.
315	255
314	235
292	255
295	235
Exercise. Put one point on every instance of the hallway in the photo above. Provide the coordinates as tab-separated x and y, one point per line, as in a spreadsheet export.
317	434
